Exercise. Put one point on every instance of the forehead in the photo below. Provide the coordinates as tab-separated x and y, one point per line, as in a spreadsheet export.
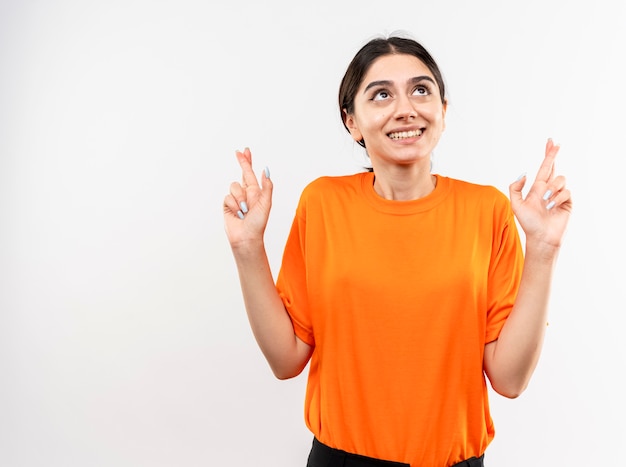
397	68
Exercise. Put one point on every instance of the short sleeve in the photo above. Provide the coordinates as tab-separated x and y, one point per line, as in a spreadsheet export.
291	283
505	270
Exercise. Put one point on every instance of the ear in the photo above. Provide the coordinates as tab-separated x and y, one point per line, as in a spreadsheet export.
350	122
443	112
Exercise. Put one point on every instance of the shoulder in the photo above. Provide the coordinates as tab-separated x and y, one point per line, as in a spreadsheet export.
329	193
483	201
326	186
477	192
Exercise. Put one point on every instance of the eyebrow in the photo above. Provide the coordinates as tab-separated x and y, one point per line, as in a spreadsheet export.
385	82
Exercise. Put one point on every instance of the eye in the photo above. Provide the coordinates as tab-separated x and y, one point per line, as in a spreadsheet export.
381	95
421	90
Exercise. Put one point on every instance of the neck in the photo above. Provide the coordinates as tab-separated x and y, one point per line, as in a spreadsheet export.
403	184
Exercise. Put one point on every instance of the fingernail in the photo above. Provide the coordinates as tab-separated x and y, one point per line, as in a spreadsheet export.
267	172
547	194
244	206
520	177
240	214
550	205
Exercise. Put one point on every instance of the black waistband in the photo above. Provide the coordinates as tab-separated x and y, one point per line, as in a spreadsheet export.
325	456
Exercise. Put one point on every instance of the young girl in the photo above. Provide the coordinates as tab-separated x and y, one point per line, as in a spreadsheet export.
404	289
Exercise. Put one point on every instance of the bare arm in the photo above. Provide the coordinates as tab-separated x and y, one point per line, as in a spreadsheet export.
246	212
511	360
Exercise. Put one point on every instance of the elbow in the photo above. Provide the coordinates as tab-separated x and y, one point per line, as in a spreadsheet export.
510	394
510	390
284	375
289	364
506	379
283	372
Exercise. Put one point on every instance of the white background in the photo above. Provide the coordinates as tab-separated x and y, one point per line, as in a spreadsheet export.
123	339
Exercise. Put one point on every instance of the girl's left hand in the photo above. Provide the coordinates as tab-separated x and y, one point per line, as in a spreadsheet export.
545	212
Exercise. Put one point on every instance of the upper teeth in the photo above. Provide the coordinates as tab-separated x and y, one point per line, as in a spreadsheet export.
405	134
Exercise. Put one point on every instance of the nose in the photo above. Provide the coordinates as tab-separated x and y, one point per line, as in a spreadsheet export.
404	108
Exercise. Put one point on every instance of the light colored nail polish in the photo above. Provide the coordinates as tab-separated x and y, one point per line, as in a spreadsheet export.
244	207
267	172
550	205
240	214
520	177
547	195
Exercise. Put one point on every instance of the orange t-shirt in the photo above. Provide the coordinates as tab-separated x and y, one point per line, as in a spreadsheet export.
398	299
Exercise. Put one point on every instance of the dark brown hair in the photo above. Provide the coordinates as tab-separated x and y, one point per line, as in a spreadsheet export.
363	60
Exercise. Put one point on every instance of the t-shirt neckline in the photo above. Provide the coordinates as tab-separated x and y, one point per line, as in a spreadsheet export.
404	207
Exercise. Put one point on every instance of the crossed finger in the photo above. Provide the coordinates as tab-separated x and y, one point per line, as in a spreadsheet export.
554	191
245	162
236	200
546	171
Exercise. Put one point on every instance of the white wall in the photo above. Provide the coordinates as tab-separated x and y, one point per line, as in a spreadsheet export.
123	340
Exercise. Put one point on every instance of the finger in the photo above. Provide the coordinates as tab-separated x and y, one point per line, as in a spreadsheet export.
245	162
239	195
563	199
232	206
546	170
557	184
267	186
553	189
515	189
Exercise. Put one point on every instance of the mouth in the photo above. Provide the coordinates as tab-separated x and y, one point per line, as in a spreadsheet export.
400	135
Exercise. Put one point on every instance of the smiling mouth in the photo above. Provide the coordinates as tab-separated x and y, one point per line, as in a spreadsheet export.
406	134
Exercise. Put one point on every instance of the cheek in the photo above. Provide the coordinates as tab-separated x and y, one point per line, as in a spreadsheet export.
437	120
377	120
438	123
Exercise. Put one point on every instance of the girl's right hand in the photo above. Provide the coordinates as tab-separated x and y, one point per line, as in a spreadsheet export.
247	206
